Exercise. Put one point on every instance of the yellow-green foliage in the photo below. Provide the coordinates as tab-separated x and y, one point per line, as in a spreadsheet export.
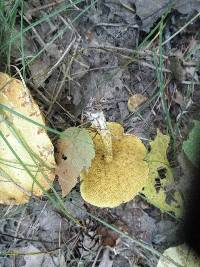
160	177
181	255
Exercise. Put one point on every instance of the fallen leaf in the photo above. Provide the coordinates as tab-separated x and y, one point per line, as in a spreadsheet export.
176	66
75	151
192	73
39	72
156	8
160	177
109	237
191	146
149	14
30	142
178	98
186	7
39	259
135	101
106	260
182	255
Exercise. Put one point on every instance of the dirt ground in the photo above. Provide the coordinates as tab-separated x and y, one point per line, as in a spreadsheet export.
95	56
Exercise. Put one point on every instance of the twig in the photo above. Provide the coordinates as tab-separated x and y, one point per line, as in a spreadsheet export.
42	43
127	50
97	256
116	25
62	57
74	5
181	29
62	82
33	10
27	239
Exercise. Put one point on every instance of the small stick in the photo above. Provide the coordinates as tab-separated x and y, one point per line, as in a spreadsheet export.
33	10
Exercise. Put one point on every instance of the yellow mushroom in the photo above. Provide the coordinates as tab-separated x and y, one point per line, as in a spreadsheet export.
29	142
110	183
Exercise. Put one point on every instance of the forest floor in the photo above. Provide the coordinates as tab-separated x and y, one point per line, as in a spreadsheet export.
70	52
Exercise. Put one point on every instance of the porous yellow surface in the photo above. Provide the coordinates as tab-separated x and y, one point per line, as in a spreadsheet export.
108	184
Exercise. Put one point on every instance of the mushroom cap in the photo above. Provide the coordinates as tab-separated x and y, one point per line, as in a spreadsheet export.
16	185
109	184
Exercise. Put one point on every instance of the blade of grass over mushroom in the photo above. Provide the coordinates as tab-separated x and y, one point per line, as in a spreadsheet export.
57	201
23	142
39	163
12	127
17	165
9	179
36	159
49	129
12	111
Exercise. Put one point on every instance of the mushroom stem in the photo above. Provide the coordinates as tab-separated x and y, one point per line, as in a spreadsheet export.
98	121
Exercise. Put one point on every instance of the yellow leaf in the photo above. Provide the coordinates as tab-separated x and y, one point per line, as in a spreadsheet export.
182	255
111	183
161	177
31	144
75	152
135	101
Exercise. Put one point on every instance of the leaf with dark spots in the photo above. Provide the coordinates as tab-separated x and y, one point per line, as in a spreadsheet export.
74	153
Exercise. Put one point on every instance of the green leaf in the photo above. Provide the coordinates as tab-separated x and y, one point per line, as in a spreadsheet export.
191	146
157	190
75	151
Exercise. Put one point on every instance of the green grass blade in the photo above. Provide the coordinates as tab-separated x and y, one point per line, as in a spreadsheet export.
38	22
